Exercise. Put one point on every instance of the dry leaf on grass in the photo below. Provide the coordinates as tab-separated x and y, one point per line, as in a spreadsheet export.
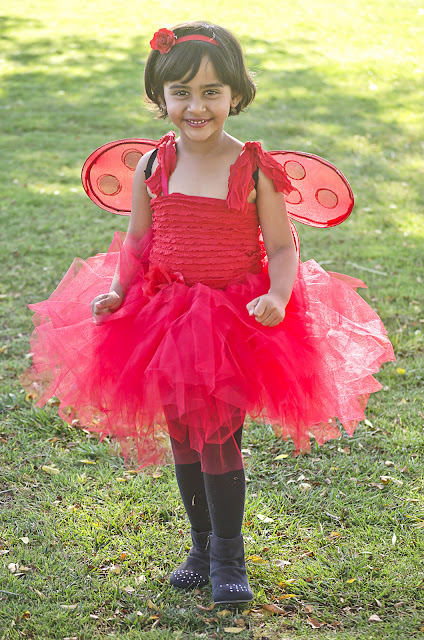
256	559
398	483
202	608
52	471
233	630
18	569
305	486
345	450
374	618
273	609
281	563
129	589
263	518
115	568
315	624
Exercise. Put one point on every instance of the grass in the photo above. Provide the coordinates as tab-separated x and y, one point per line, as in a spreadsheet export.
85	553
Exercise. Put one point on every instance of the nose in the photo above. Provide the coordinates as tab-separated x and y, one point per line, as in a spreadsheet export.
196	104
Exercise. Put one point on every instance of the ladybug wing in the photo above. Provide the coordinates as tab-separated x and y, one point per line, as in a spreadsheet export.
108	173
322	196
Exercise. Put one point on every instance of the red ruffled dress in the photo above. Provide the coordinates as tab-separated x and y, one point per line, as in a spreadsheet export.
183	343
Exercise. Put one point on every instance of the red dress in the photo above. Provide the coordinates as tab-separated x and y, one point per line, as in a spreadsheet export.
183	343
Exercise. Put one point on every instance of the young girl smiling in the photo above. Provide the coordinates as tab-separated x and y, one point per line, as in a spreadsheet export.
204	313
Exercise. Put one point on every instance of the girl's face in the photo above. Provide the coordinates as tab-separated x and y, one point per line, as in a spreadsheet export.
200	107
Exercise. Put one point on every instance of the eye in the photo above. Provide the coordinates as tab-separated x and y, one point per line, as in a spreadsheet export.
211	92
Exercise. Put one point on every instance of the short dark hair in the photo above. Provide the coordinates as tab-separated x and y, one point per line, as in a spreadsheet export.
182	62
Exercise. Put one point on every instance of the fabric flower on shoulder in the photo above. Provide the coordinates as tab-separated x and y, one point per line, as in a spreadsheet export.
166	158
241	179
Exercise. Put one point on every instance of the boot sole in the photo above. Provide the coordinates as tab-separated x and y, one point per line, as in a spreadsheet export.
233	601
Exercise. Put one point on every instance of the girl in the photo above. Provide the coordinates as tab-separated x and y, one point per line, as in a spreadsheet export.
203	322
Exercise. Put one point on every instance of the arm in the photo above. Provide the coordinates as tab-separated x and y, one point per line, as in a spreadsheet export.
269	309
140	221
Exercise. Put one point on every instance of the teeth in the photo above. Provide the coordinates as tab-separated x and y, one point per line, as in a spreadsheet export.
197	121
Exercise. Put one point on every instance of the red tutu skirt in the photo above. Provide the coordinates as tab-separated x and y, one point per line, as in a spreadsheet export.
194	354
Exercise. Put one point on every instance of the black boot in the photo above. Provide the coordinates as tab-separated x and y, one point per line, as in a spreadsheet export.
228	571
194	572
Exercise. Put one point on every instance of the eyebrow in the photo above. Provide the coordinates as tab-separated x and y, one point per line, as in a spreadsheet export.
180	85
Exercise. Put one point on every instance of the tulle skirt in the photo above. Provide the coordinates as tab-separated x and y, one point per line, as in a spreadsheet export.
193	358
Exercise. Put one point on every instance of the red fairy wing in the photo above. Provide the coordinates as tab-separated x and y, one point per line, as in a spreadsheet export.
322	196
108	173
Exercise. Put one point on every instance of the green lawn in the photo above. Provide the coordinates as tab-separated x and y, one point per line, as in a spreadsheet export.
85	552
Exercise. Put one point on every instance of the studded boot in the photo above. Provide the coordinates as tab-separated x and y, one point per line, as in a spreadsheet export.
194	572
228	571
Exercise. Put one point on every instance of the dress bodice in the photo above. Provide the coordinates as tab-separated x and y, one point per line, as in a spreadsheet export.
210	240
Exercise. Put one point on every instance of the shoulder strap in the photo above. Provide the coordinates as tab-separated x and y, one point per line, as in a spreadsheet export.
158	181
148	169
255	176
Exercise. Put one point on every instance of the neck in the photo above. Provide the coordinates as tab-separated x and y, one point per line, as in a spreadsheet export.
205	147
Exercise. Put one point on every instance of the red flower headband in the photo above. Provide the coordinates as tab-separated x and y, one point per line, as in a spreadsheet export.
164	40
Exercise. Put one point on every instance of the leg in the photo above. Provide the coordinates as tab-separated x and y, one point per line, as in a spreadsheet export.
225	490
226	495
194	572
191	485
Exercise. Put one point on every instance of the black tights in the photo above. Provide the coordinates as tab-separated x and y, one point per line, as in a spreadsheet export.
213	498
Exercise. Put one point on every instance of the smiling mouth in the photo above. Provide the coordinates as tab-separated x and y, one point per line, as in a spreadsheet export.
196	122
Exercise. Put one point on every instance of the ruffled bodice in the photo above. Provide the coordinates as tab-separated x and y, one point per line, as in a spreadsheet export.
210	240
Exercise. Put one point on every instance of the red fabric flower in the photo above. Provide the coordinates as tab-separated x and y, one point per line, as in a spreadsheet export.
157	278
163	41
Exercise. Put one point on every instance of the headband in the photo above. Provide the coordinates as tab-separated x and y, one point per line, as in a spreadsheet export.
164	40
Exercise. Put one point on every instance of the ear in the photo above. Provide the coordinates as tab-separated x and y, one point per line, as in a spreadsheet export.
234	101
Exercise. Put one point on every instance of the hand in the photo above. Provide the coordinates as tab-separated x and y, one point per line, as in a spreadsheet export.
268	309
105	303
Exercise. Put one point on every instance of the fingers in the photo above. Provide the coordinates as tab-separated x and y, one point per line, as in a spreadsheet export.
265	312
251	306
104	303
273	320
